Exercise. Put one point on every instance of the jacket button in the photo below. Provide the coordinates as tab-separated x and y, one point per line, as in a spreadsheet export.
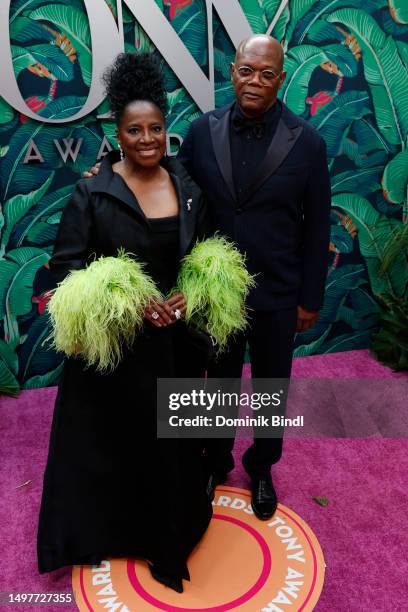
239	211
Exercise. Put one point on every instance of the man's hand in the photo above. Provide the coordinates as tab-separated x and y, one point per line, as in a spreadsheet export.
305	319
94	171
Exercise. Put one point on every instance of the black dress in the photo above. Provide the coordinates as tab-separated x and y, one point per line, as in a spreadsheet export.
111	488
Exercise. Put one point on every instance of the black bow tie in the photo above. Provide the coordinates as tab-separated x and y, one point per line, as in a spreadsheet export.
243	124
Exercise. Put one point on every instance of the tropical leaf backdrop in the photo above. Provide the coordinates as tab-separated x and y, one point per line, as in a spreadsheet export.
347	73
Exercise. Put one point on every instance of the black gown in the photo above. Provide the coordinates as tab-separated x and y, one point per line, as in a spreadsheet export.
111	488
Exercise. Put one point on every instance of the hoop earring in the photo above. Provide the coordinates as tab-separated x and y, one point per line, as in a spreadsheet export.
122	155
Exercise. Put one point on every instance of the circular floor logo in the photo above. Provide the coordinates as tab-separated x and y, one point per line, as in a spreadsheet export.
241	564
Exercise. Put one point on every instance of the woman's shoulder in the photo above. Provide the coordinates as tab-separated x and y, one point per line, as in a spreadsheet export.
173	166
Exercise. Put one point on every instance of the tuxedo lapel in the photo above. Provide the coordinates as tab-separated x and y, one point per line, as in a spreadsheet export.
220	136
281	144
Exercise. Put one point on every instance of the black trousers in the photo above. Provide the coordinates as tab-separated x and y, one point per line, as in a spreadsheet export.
270	338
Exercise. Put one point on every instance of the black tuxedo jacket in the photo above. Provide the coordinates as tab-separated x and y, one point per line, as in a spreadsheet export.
281	222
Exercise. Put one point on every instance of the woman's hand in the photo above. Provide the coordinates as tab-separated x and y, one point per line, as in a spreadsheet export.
161	314
178	306
158	314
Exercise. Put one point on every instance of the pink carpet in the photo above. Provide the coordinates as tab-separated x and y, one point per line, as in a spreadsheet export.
363	531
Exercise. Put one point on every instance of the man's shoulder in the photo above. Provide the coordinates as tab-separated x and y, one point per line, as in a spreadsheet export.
204	119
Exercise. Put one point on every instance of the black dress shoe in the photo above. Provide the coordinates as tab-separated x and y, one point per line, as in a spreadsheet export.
264	500
214	480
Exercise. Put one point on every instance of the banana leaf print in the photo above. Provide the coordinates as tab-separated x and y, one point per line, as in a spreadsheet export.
323	7
17	271
339	286
384	72
6	112
399	10
373	232
395	178
72	23
15	209
335	119
347	74
363	181
40	364
300	64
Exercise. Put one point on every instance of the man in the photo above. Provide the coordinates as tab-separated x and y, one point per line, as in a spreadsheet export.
264	173
265	176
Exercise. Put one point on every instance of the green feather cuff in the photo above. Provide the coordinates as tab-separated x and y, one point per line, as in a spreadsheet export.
96	310
215	283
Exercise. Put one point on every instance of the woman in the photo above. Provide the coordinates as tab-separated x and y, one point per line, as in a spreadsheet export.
111	488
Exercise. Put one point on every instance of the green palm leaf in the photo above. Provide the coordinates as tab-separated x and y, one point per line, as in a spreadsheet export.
339	284
92	137
348	342
374	230
9	357
351	149
395	178
15	209
35	355
321	31
300	64
190	25
8	383
142	44
6	112
343	58
341	239
22	58
48	205
304	350
383	70
44	380
363	181
324	7
403	51
270	8
55	60
20	8
42	235
369	138
74	24
25	30
224	94
17	177
390	26
222	63
255	15
17	272
391	343
399	10
334	120
66	106
297	11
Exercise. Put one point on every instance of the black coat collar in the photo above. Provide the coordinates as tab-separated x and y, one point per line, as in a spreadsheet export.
286	135
189	196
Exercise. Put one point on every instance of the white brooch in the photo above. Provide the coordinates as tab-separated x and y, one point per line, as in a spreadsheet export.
189	203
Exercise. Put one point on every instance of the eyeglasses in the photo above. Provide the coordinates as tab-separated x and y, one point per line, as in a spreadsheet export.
266	77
